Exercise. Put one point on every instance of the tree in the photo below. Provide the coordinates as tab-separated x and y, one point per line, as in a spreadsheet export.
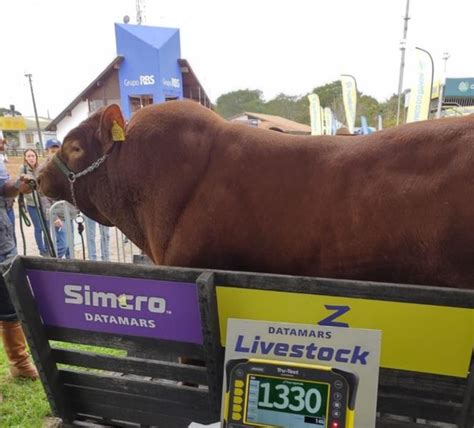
389	111
297	108
8	111
237	102
369	107
282	105
330	95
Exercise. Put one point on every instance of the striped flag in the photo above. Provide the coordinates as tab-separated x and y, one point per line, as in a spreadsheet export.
349	96
315	115
420	94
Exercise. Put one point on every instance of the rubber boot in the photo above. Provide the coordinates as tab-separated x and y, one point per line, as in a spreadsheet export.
15	347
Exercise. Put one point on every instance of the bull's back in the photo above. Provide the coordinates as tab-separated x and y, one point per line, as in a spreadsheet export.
371	208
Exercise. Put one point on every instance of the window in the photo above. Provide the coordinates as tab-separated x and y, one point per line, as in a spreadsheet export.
139	101
29	137
94	105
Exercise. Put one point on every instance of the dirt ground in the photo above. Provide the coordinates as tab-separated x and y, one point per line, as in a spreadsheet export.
121	249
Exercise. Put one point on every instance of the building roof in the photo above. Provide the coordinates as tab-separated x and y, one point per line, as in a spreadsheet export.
192	88
31	123
83	95
269	121
145	33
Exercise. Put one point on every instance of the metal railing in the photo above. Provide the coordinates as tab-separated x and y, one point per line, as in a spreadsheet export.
124	249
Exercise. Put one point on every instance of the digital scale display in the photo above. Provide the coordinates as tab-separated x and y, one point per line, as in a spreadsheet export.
279	394
286	402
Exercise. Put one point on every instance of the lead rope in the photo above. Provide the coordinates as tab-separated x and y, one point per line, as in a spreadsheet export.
39	208
22	210
80	228
118	135
72	179
23	214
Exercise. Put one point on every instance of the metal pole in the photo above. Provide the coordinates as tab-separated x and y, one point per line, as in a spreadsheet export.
441	86
117	243
69	231
131	250
28	75
122	239
402	60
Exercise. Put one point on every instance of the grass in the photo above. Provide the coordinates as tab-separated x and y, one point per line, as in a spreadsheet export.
24	401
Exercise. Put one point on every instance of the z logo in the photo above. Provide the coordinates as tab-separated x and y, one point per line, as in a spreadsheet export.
338	312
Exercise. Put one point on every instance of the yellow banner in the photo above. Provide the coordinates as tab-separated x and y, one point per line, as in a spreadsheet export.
435	90
8	123
315	114
420	94
349	96
423	338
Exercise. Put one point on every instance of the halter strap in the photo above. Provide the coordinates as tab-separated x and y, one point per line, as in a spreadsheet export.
72	176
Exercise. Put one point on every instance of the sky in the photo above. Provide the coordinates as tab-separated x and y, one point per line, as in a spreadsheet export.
276	46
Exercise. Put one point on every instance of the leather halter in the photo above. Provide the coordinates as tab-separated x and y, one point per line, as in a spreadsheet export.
73	176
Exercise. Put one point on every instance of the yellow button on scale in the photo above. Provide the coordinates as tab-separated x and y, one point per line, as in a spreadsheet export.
236	416
238	400
239	392
239	383
236	408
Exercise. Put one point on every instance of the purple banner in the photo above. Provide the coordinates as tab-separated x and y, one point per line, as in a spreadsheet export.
127	306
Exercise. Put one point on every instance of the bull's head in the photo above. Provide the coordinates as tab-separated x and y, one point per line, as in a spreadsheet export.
81	147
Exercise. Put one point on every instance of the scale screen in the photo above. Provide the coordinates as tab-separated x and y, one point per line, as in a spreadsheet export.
269	393
286	402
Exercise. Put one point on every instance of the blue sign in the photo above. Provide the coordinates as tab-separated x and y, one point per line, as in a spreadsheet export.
150	72
364	126
459	87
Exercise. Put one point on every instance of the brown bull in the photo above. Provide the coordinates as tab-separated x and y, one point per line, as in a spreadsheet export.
193	190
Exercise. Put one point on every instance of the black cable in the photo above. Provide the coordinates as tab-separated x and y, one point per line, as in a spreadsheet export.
39	208
23	218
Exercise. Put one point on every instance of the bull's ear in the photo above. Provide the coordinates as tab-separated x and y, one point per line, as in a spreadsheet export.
112	126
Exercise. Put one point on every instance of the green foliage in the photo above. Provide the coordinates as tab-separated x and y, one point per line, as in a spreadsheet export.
297	107
369	107
389	111
237	102
7	110
24	401
282	105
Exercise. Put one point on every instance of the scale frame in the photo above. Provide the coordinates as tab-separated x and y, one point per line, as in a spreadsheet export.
339	401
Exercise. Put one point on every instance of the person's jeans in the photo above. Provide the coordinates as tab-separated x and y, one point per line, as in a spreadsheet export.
7	311
104	240
39	234
61	241
11	216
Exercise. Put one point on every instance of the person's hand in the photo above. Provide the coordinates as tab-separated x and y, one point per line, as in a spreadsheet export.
58	223
25	183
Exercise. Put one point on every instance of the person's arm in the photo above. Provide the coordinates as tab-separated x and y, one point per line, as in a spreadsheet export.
11	188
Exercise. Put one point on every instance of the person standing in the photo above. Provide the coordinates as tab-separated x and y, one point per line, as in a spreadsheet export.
30	164
13	338
52	146
104	240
